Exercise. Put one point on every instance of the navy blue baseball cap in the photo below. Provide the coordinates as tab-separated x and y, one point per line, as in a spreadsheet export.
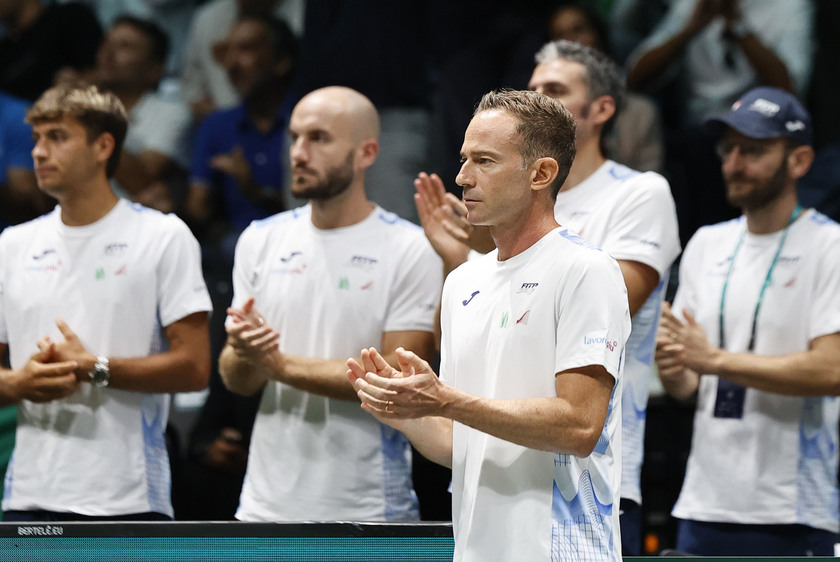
765	113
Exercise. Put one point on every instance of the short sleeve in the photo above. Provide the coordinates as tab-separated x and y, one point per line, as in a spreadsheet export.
416	293
645	226
181	283
594	316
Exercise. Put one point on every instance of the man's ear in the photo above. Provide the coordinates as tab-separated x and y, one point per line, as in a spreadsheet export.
800	160
602	109
366	153
543	173
104	147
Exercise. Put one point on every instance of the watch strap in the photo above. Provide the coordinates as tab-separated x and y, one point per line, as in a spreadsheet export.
100	375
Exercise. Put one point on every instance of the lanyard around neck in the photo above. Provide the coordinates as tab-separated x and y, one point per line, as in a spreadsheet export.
767	279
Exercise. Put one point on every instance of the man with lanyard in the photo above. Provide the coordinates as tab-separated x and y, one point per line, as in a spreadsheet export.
758	313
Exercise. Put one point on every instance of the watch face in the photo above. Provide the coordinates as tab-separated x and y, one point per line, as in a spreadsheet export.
99	376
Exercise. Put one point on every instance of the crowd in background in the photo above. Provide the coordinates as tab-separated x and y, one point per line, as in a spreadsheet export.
210	85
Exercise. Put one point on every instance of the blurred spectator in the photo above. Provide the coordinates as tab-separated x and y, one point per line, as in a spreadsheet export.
155	156
725	47
238	170
699	59
20	198
636	138
172	16
42	39
205	85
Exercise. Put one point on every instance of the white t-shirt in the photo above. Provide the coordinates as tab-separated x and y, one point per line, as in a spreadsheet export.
508	328
331	293
117	283
631	216
777	464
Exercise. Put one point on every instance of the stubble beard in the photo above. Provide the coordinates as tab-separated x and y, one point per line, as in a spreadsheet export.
762	194
337	180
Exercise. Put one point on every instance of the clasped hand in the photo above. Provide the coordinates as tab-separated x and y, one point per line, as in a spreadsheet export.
413	391
249	335
55	370
681	345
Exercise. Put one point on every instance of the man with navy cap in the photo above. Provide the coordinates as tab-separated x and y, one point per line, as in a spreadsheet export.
755	331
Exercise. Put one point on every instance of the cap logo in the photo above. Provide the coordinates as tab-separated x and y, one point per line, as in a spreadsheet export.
765	107
792	126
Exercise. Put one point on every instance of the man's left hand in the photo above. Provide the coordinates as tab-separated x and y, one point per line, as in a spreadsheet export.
414	391
71	349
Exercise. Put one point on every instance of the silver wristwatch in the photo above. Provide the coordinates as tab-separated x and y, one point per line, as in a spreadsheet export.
100	375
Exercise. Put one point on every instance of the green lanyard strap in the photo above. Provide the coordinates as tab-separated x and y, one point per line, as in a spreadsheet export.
767	279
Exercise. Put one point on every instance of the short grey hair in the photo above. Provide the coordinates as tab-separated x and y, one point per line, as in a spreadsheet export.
603	76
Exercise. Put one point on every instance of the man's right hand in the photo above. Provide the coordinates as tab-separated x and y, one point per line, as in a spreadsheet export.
678	379
249	335
40	380
413	391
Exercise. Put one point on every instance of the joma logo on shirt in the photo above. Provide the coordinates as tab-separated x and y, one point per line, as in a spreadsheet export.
42	255
289	257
